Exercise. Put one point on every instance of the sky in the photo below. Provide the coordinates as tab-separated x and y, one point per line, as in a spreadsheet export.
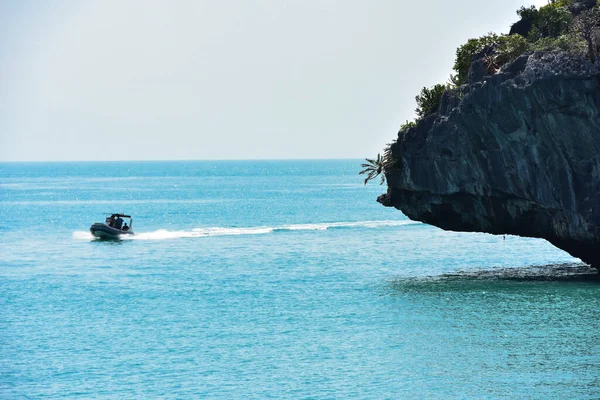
223	79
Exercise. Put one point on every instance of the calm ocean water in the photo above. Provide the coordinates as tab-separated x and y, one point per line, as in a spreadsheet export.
272	279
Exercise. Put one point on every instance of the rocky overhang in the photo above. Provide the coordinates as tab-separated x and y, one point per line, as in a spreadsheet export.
516	153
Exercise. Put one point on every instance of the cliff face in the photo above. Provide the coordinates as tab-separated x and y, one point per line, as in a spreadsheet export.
513	153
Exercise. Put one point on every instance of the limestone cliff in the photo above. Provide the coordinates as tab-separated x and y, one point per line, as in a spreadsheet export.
517	153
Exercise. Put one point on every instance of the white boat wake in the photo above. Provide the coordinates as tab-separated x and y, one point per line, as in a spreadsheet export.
162	234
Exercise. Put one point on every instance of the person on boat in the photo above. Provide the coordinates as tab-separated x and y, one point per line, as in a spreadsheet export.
125	227
111	221
118	223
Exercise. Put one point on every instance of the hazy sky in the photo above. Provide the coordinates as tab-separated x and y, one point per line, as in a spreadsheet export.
223	79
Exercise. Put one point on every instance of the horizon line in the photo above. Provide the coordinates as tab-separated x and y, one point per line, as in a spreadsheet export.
178	160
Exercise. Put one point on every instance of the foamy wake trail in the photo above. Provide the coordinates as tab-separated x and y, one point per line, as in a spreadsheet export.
163	234
82	235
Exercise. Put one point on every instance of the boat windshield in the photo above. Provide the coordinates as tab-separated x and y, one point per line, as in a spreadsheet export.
116	221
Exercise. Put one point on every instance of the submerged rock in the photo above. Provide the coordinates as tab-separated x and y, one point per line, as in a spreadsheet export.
517	153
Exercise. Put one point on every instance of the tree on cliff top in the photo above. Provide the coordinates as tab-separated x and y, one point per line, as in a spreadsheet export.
586	25
465	53
552	20
428	101
505	49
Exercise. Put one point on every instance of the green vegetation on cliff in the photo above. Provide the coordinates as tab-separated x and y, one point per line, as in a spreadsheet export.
428	101
505	49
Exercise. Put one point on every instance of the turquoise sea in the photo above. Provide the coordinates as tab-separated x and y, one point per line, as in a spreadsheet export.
274	279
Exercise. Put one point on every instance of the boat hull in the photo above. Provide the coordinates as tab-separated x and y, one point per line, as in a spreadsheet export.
103	231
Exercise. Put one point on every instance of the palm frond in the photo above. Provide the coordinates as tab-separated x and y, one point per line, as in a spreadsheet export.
373	168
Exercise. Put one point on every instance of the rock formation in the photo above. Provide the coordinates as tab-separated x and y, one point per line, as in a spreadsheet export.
516	153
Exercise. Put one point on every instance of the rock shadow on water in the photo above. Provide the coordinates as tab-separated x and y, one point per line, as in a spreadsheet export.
551	273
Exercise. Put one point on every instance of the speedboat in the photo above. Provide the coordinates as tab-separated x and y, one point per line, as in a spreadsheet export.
113	227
